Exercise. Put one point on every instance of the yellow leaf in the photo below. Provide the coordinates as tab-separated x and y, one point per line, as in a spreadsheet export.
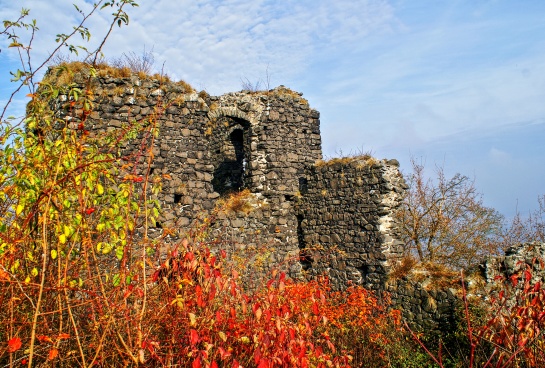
34	272
53	254
62	238
19	209
192	319
100	189
222	336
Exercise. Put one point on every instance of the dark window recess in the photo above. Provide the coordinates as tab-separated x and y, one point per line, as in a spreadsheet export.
305	258
228	177
177	198
151	171
303	185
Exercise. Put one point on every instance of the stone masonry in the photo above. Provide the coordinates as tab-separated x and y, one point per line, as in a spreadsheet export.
332	218
308	217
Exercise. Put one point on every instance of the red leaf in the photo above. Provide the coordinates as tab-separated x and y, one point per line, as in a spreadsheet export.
514	279
292	333
193	337
89	211
214	364
527	275
263	363
223	353
14	344
196	363
155	276
53	353
257	355
138	179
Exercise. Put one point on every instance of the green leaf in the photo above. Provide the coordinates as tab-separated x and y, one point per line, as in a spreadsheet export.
116	280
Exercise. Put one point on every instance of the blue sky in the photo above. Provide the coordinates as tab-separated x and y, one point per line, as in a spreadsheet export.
454	83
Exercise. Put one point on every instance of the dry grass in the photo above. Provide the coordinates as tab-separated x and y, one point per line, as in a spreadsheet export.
436	276
403	268
67	72
362	160
186	86
291	94
241	202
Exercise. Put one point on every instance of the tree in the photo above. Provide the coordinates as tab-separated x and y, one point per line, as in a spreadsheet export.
527	229
444	220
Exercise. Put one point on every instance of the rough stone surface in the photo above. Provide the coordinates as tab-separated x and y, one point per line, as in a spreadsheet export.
309	219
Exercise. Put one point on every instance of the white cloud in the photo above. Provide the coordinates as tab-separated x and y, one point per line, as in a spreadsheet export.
215	43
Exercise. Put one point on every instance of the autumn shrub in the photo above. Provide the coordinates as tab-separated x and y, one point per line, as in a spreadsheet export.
78	279
517	324
505	332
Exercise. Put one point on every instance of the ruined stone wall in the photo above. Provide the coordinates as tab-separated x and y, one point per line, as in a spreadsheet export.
334	218
346	227
438	310
268	143
434	310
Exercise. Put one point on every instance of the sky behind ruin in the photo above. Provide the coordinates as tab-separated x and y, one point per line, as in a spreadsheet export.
454	83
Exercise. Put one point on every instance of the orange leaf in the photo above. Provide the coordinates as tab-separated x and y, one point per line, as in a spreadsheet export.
43	338
53	353
14	344
64	336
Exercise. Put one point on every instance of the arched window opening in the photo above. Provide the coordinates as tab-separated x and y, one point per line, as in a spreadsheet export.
229	175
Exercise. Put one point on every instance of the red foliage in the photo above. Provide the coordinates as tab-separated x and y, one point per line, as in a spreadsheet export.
518	321
285	324
14	344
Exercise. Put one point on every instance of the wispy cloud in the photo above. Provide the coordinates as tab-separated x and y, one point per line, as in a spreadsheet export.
214	43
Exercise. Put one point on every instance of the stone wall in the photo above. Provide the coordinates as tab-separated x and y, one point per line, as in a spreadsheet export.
434	310
345	220
307	217
268	143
